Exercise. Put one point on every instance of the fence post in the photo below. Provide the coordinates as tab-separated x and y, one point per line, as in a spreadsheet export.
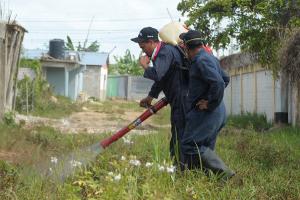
128	91
255	90
274	98
2	77
241	94
231	93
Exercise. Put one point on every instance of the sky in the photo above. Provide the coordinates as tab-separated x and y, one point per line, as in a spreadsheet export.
112	22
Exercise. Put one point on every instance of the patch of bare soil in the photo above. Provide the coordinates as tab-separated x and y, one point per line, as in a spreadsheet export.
11	156
90	122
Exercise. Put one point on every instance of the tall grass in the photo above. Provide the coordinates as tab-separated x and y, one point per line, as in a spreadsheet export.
257	122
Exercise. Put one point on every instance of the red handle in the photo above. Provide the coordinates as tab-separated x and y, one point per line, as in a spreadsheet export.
150	111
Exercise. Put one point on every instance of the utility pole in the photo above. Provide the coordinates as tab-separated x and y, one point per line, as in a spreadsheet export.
88	33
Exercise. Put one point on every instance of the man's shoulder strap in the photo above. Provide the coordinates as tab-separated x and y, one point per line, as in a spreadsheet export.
185	61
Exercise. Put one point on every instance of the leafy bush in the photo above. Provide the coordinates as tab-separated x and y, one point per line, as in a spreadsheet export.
9	118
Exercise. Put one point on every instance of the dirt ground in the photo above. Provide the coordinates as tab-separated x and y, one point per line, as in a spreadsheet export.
90	121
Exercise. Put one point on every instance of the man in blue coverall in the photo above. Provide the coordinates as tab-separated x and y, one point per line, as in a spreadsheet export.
206	113
170	75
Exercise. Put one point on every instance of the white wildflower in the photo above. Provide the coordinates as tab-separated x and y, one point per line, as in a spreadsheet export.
127	140
161	168
54	160
50	169
117	177
75	163
135	162
123	158
171	169
148	164
110	173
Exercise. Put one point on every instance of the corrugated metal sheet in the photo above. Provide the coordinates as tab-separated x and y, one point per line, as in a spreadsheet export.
93	58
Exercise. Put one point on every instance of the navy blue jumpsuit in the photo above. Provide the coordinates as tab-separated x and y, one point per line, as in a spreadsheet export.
206	81
170	74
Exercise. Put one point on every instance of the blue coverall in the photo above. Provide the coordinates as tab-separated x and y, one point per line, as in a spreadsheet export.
170	75
206	81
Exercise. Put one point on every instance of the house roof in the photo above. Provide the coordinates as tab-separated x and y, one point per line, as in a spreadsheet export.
93	58
85	58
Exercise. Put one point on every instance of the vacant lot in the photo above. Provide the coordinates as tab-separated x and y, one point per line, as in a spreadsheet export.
265	158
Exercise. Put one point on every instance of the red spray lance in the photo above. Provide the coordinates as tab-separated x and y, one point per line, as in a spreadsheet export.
68	163
150	111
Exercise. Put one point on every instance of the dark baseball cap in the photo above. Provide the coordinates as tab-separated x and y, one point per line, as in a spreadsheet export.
147	33
191	36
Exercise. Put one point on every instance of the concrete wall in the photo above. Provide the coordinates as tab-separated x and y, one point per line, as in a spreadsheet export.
140	87
91	81
103	82
253	89
128	87
26	72
73	83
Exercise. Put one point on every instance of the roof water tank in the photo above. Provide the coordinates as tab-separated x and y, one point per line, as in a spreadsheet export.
57	48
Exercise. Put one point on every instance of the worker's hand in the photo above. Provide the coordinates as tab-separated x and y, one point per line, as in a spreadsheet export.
144	61
202	104
146	102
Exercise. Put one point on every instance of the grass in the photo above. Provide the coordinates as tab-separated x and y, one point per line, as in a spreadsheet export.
258	122
62	108
266	161
266	169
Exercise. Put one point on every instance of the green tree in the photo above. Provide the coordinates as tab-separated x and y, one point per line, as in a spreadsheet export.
127	64
93	47
258	26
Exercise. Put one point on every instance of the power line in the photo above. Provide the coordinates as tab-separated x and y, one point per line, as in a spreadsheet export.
82	30
88	20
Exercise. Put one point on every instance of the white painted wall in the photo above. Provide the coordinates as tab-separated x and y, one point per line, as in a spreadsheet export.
240	94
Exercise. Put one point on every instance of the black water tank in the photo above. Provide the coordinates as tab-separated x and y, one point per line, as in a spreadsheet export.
57	48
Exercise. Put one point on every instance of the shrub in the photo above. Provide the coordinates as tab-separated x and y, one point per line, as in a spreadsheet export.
9	118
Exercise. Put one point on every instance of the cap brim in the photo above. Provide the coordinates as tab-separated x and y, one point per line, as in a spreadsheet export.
182	35
137	40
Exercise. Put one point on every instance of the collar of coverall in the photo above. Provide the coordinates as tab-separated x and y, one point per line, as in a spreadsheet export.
203	49
156	50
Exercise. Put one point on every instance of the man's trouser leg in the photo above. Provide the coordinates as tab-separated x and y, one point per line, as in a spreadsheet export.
175	144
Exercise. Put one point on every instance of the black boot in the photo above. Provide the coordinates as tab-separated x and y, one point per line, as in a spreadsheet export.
191	162
213	162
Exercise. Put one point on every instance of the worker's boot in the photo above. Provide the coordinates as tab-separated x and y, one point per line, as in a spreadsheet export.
191	162
211	161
